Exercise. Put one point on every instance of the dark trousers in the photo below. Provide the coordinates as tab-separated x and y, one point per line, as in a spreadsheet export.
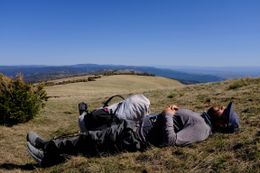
122	136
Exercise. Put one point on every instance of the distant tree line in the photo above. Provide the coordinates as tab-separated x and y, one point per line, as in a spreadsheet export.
96	76
51	83
126	72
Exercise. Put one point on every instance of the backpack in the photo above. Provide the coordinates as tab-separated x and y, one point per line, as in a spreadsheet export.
133	108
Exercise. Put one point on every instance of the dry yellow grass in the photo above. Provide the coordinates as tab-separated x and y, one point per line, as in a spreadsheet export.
220	153
60	114
110	85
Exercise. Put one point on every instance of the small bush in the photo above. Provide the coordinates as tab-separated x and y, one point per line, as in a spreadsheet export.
238	84
19	101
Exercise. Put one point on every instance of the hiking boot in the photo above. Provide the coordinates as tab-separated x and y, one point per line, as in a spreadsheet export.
35	140
36	154
83	107
44	157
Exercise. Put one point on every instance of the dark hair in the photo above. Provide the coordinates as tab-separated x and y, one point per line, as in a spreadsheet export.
211	111
215	119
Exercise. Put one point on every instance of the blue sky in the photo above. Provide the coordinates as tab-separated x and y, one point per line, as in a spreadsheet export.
130	32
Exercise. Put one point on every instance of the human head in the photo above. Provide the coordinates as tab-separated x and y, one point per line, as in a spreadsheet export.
224	119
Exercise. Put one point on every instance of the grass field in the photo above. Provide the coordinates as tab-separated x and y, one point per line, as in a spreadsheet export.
220	153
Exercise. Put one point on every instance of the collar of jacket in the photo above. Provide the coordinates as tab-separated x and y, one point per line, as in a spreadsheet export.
207	118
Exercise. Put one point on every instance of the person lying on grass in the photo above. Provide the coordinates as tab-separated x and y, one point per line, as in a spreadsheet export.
173	126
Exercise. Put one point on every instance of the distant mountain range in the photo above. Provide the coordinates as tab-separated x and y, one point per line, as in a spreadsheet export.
223	72
35	73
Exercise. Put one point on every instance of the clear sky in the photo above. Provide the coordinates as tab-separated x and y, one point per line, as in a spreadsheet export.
130	32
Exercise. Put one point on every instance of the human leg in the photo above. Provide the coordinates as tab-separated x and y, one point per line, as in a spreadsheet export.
117	138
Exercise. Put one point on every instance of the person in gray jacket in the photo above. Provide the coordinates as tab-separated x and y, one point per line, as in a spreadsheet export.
182	127
173	126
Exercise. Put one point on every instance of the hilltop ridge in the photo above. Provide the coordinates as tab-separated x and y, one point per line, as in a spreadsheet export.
42	73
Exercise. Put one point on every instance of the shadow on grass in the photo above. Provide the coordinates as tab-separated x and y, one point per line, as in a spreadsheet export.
11	166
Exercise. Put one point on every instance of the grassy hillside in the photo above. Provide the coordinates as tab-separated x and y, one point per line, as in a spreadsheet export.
220	153
109	85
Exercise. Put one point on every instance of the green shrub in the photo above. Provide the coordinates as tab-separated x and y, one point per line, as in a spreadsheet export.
239	83
19	101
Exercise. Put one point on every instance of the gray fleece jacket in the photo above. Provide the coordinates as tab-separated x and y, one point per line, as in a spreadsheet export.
184	128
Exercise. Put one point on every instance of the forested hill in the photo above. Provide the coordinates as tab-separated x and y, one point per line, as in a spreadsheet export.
34	73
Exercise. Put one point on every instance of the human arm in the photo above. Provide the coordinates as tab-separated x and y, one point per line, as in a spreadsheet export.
164	126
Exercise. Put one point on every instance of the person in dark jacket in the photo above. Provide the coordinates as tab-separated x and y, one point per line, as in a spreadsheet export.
173	126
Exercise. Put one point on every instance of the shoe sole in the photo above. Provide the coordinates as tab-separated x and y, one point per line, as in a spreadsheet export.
36	154
83	107
31	137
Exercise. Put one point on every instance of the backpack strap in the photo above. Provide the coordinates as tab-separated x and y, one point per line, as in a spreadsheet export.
108	100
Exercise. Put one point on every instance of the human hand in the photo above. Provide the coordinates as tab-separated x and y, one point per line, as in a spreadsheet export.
171	109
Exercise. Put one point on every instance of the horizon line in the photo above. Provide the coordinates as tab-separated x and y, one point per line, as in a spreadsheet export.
157	66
